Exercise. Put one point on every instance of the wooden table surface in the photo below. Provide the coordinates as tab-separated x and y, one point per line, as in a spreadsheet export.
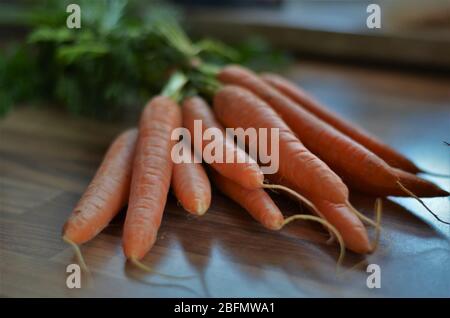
47	158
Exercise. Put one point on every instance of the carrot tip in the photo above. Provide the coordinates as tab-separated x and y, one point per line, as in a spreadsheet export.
78	254
201	209
148	269
327	225
198	211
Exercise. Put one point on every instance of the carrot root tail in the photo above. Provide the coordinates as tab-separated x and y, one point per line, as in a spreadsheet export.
78	253
148	269
378	212
302	199
329	226
295	194
435	174
351	269
410	193
361	216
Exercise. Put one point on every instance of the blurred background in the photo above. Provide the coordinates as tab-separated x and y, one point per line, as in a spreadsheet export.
415	33
412	32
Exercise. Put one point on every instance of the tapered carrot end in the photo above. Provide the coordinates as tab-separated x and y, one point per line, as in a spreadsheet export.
277	224
429	190
420	186
197	209
360	244
353	230
413	195
201	208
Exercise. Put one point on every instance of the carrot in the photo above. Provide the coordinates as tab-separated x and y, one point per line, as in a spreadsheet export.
256	201
353	162
298	95
106	194
262	208
419	186
237	107
152	170
243	170
347	223
341	215
191	186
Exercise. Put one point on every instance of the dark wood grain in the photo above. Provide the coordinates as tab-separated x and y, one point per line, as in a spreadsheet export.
47	158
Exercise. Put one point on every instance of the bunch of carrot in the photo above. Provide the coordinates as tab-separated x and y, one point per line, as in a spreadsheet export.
320	155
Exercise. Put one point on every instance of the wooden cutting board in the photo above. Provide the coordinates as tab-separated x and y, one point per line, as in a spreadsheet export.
47	158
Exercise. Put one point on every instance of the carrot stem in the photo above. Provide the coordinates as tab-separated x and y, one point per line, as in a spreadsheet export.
206	84
327	225
174	86
208	69
176	37
78	254
421	202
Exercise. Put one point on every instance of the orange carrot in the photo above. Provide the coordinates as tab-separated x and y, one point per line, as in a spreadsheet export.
106	194
262	208
256	201
191	186
152	170
247	174
243	170
341	215
347	223
353	162
420	186
298	95
237	107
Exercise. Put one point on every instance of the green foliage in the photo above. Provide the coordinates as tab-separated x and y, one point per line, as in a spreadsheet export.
254	53
19	78
123	53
